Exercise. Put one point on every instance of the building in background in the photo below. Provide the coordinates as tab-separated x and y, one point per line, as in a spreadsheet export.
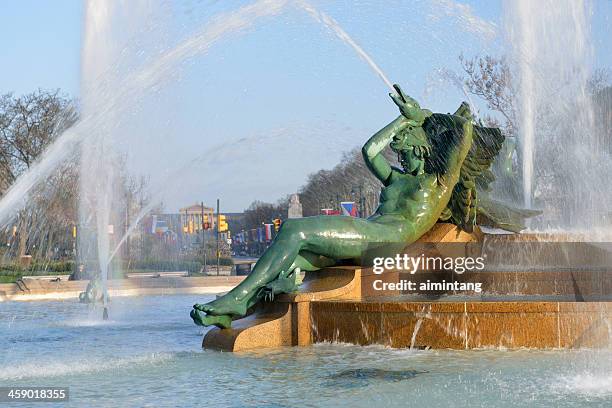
295	207
171	235
195	216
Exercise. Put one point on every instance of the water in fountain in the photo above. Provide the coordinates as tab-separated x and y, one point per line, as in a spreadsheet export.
341	34
125	94
563	163
333	25
96	172
106	96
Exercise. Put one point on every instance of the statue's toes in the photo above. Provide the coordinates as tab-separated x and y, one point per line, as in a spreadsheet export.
206	308
197	317
268	292
222	321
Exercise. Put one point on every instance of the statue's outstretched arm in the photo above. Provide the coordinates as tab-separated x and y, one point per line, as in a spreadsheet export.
372	150
411	116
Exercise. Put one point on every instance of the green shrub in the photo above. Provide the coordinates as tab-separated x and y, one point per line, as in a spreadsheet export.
37	268
162	265
8	279
15	270
8	272
173	265
54	266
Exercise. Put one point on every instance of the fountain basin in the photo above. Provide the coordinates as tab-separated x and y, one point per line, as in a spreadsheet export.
35	289
457	322
463	325
544	309
148	343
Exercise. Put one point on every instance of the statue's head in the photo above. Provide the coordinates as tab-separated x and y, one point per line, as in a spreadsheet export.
412	148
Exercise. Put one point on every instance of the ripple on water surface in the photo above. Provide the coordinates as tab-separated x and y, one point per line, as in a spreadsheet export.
149	354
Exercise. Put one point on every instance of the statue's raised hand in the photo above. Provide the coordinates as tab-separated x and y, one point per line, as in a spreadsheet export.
409	107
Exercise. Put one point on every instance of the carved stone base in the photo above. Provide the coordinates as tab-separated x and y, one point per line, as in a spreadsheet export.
286	321
340	304
464	325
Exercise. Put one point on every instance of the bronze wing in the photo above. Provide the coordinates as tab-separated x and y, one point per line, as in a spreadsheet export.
469	203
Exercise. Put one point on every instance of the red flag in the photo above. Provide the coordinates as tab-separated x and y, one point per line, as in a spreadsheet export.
268	232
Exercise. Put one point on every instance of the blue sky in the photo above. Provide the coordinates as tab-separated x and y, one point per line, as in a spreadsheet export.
40	42
285	83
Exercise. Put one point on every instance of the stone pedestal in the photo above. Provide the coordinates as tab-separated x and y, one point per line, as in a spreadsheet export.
287	321
536	309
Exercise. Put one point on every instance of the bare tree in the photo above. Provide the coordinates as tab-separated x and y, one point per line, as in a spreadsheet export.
350	180
260	212
52	214
600	80
490	78
28	124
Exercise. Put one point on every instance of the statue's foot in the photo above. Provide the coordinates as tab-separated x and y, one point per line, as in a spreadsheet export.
285	283
221	321
225	305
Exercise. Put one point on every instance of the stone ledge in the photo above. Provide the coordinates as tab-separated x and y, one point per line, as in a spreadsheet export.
324	310
339	304
270	327
463	325
286	321
48	290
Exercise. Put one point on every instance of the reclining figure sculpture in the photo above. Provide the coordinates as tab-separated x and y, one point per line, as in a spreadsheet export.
443	159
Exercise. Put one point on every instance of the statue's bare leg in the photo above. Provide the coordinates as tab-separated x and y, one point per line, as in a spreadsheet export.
308	243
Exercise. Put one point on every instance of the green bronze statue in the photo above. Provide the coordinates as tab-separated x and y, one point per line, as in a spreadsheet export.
94	293
443	159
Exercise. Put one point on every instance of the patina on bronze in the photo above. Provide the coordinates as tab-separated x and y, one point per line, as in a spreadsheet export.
444	158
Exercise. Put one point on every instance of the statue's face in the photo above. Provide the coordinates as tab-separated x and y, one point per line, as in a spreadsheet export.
399	142
410	156
409	160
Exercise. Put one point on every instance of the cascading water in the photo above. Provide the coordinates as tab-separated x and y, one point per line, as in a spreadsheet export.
566	164
96	167
339	32
128	91
106	98
562	160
